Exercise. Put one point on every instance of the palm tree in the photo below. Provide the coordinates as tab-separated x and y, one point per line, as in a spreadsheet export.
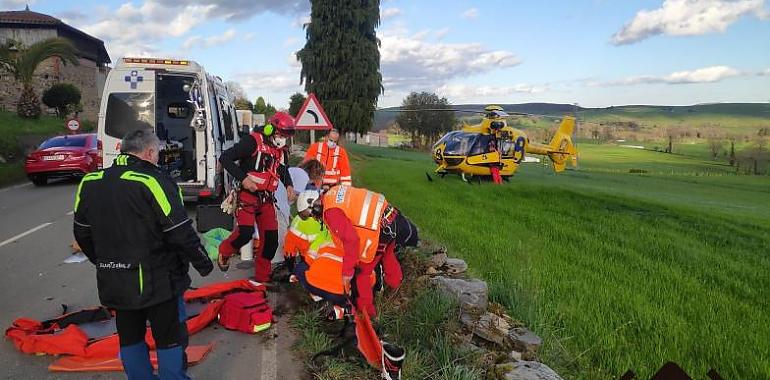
22	63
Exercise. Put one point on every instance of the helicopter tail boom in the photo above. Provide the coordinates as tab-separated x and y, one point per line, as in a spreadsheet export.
561	147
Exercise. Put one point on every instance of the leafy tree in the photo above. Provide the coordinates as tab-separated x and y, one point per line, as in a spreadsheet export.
295	103
341	61
259	105
22	62
62	96
423	117
243	104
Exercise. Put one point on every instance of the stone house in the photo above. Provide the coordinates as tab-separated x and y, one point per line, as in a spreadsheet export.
89	76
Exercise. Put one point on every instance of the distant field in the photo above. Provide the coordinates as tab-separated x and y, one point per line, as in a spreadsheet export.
616	271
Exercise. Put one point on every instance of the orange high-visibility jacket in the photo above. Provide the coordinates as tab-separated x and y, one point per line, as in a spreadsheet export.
364	209
300	235
325	271
325	260
335	162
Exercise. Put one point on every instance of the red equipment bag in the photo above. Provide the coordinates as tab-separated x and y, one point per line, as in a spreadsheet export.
246	312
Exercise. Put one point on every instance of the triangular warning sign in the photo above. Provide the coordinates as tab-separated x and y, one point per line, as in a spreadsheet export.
312	115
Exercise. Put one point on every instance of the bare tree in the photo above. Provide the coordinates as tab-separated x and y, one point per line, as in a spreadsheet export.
236	89
716	146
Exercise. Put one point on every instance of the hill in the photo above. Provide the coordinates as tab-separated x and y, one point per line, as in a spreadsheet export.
738	116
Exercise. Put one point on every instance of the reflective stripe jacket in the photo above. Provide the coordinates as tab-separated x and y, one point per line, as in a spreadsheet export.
300	235
131	223
362	210
335	162
325	271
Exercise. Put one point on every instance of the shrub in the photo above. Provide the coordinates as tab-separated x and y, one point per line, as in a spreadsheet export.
63	97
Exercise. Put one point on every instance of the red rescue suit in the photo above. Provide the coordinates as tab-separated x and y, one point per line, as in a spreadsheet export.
264	165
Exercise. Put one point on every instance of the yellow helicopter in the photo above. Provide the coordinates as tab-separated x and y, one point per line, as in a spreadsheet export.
475	149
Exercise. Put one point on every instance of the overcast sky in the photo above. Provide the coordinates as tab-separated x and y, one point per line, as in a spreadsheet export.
591	52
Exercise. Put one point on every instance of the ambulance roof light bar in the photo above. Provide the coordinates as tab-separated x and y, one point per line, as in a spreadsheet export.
156	61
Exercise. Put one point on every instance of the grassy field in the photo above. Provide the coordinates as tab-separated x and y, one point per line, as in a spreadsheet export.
615	271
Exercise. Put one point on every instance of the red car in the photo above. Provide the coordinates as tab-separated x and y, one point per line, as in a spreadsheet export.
64	156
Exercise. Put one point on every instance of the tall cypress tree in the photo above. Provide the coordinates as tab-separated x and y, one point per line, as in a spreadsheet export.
341	61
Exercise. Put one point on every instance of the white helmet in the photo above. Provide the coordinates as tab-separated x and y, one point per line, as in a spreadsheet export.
306	198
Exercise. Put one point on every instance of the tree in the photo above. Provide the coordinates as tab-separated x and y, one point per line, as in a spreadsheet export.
341	61
423	119
21	62
243	104
63	97
716	146
236	90
295	103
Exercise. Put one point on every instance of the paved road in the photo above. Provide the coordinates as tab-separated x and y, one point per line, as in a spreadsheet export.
35	233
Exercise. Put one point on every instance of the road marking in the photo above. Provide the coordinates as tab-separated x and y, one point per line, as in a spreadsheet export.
23	234
15	187
71	212
269	354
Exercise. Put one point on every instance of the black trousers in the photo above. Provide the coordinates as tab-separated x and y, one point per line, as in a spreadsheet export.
167	322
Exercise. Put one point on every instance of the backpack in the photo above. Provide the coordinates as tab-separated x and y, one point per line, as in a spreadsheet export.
246	312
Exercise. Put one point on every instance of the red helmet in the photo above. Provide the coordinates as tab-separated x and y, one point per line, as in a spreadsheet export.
283	123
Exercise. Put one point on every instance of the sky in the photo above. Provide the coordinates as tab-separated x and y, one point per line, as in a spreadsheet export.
595	53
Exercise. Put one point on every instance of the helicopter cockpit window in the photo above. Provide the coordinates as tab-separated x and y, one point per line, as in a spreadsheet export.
484	144
458	144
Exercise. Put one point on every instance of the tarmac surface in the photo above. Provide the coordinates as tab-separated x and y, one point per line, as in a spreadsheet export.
35	237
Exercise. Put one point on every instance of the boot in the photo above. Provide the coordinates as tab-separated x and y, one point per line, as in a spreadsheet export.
136	362
392	361
171	364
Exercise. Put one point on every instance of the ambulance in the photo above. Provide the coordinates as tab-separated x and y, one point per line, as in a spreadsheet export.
190	110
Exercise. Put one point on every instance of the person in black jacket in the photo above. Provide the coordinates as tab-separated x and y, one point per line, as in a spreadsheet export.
131	223
261	163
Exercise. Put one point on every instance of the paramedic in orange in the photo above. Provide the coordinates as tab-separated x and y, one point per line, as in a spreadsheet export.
369	230
333	157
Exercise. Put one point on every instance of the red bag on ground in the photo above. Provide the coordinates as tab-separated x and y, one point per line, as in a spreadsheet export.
246	312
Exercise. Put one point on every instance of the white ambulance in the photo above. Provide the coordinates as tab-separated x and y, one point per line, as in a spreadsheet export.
190	110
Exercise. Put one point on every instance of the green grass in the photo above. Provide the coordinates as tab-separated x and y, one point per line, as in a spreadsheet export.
12	173
615	271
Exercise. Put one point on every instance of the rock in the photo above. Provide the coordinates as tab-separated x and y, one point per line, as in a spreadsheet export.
525	370
456	266
524	341
489	327
515	355
470	294
438	259
432	271
2	160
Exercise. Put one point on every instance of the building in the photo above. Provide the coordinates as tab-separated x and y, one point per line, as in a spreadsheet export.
89	76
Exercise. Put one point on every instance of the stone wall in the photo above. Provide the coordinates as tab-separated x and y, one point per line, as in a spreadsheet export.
86	76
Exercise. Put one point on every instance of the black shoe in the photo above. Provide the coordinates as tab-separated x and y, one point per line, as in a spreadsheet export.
392	361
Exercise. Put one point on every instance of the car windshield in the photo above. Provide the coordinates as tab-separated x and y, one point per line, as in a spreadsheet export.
64	141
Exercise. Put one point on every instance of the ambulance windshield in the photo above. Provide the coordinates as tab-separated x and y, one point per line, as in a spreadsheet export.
128	111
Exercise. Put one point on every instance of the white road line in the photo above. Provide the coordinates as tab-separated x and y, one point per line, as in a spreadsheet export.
23	234
269	352
15	187
71	212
